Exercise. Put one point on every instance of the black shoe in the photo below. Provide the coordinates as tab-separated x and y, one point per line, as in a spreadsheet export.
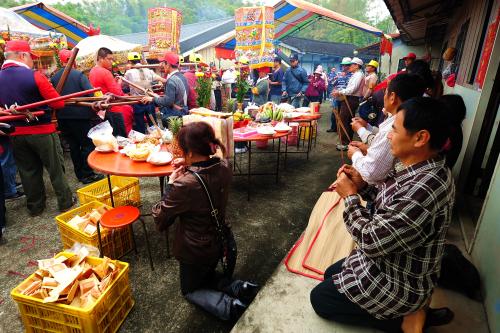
237	309
248	291
15	196
92	179
438	317
73	202
331	130
19	186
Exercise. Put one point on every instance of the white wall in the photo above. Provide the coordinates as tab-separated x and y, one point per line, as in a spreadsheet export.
471	100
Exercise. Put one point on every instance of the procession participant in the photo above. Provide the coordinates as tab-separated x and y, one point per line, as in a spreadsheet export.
174	102
456	115
339	82
36	144
275	81
349	99
8	166
387	281
190	85
3	223
74	122
371	78
409	59
330	78
120	116
144	78
375	161
203	235
295	82
315	88
261	89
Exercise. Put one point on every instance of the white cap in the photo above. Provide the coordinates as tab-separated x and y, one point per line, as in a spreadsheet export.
346	61
357	61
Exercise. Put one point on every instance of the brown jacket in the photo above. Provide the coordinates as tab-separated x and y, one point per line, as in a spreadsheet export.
195	237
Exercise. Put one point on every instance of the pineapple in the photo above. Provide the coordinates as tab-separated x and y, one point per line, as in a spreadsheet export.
231	102
174	125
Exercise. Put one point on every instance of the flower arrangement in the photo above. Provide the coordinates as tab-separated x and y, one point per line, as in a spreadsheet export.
242	86
203	89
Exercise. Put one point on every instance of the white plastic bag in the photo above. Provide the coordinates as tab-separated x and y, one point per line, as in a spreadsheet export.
102	137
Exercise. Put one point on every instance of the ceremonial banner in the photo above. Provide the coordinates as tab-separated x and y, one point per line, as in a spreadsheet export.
164	30
255	35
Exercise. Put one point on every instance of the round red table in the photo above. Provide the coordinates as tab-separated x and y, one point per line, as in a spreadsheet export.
121	165
260	137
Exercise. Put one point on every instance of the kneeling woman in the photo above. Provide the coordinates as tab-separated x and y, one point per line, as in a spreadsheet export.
197	193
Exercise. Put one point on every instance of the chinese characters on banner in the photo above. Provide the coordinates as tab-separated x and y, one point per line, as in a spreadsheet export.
255	35
487	49
164	30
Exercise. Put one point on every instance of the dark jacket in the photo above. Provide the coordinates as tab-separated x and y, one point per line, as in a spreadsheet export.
295	81
175	93
76	81
196	239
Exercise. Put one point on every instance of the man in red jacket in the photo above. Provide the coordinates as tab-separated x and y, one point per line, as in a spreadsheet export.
121	117
36	144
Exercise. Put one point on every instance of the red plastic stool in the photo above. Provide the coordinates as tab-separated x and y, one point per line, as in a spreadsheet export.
121	217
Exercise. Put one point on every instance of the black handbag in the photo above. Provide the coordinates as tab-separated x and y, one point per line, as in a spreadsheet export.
225	236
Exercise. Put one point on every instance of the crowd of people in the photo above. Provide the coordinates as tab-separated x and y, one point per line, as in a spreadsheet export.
410	138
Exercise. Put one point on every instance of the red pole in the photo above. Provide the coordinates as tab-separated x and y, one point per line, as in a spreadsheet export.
60	98
20	116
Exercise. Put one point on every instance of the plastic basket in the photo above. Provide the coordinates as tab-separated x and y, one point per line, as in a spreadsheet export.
304	132
115	243
127	192
105	315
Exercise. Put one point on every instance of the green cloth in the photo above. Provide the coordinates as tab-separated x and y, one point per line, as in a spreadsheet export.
32	153
263	89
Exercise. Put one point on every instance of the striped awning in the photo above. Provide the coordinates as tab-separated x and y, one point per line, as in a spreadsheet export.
292	15
50	19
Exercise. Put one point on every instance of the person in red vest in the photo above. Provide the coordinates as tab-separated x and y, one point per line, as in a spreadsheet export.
120	117
36	144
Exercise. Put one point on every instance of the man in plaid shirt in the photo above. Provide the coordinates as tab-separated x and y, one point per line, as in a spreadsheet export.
388	279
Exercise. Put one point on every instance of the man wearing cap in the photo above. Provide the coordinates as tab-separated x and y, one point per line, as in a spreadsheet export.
120	116
409	59
144	78
366	111
261	87
174	102
339	82
74	122
36	144
276	81
295	82
349	101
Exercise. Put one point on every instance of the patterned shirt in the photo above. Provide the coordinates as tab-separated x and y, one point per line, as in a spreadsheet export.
396	264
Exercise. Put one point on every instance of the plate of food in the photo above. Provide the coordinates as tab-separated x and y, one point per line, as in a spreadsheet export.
105	149
304	109
267	130
160	158
282	127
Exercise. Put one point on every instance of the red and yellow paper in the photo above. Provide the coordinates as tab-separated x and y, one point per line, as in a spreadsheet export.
164	30
255	35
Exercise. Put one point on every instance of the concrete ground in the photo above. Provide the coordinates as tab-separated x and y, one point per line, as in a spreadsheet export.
265	229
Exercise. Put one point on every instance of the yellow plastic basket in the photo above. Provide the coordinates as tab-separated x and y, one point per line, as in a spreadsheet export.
127	192
115	242
105	315
304	132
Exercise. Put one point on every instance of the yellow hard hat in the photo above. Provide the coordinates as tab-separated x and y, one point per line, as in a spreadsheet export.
2	41
134	56
195	57
373	63
243	60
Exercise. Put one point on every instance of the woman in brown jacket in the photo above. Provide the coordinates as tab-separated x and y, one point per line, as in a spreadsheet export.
199	244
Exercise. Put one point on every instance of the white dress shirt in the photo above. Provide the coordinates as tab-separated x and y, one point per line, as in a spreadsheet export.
378	161
367	133
355	85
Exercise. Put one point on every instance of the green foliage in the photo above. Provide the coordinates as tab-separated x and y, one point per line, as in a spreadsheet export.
204	91
174	125
242	86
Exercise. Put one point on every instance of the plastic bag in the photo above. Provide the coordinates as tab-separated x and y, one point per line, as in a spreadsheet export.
102	137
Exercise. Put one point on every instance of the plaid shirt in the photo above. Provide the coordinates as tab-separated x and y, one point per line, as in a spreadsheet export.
396	264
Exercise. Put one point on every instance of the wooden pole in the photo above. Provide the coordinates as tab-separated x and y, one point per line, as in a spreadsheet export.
57	99
143	90
67	69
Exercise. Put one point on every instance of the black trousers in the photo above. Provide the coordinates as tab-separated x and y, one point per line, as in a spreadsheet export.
80	146
213	291
2	203
347	112
218	100
117	122
330	304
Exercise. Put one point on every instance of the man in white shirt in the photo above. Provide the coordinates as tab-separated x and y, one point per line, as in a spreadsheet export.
375	161
352	93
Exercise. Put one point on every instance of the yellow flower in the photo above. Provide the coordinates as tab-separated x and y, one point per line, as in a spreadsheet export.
199	74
